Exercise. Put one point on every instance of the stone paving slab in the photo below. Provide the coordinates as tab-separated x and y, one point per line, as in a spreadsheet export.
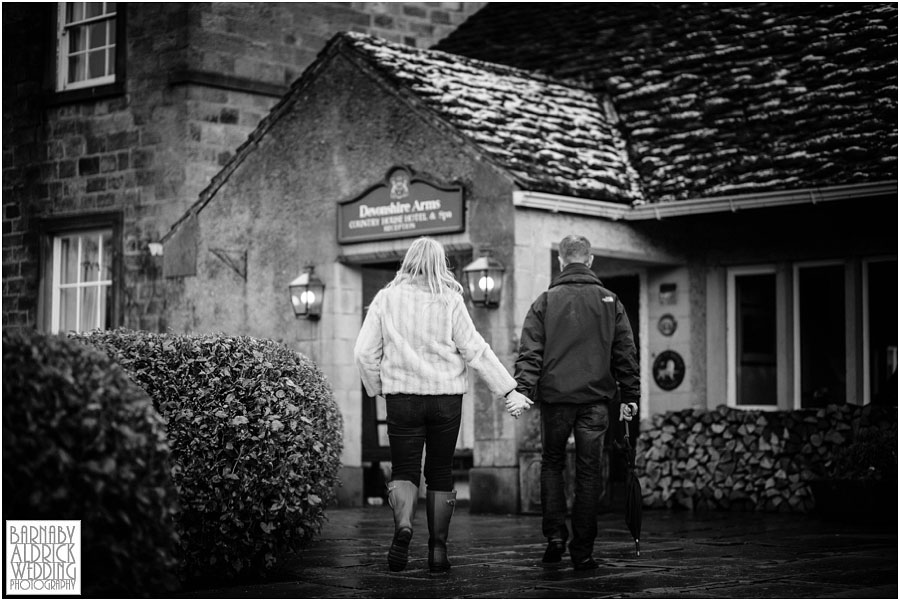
728	555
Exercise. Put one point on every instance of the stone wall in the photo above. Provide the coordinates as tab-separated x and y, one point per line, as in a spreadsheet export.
730	458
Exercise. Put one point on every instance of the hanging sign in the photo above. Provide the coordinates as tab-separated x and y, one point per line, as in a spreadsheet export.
400	207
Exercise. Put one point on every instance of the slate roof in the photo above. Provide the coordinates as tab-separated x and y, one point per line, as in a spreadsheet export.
717	98
550	135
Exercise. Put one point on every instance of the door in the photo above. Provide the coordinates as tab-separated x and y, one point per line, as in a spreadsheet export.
613	466
628	289
376	451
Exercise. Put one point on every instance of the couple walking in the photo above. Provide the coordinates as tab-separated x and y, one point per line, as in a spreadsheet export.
576	350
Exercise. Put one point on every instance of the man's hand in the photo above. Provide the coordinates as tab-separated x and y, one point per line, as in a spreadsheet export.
516	403
627	411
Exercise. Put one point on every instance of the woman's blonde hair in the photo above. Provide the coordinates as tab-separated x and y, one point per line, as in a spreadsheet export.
426	260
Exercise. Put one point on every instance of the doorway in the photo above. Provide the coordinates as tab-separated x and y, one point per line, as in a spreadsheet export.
376	452
627	286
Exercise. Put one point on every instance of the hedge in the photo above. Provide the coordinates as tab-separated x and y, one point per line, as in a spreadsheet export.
256	440
82	442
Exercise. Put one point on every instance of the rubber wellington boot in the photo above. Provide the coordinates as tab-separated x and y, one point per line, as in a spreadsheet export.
403	496
439	505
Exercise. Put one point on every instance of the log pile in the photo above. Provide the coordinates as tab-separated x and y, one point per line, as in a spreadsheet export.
735	459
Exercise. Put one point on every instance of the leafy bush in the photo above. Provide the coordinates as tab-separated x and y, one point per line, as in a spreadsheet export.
82	442
256	441
871	456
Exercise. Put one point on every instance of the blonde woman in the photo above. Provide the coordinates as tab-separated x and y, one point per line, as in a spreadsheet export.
414	346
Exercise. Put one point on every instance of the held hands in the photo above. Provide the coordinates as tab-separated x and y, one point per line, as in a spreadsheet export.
627	411
516	403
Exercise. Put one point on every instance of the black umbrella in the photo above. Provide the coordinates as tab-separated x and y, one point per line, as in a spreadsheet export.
633	496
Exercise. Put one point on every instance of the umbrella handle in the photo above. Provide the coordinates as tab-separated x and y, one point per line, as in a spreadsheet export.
637	547
632	406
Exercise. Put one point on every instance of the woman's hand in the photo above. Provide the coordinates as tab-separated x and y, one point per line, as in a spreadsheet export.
516	403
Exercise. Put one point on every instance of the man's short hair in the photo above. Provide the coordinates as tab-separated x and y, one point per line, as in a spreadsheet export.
574	249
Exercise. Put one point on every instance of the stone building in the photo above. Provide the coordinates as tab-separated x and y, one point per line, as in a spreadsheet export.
116	116
735	168
752	240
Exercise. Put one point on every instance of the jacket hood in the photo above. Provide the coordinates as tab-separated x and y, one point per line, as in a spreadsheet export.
576	273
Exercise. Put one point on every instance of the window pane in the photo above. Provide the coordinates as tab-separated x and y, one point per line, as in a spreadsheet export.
882	307
105	313
97	35
823	354
756	353
107	256
74	11
383	439
68	258
111	32
76	68
67	313
90	258
77	41
110	7
89	309
97	66
93	9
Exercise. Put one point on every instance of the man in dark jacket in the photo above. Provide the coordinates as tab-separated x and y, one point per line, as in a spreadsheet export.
576	351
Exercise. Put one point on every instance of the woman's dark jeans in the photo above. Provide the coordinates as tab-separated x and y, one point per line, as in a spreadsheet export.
432	421
590	423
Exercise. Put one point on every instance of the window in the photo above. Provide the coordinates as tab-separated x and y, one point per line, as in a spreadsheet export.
820	340
812	334
82	278
87	44
752	338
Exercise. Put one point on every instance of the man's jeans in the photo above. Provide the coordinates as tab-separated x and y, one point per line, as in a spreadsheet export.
590	423
432	421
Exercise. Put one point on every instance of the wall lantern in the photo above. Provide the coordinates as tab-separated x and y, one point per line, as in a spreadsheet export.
484	279
307	293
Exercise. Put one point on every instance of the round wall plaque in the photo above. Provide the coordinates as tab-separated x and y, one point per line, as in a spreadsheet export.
667	324
668	370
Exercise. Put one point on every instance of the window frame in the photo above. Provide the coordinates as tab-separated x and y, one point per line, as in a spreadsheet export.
57	286
731	332
91	89
50	230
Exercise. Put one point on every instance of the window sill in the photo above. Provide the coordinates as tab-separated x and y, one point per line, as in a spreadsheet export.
110	90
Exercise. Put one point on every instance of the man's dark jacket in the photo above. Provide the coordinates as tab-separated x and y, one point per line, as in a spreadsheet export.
577	343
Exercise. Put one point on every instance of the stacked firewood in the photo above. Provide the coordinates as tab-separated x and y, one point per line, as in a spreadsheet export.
729	458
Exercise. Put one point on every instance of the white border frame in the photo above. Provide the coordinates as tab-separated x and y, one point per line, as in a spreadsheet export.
56	284
62	52
731	331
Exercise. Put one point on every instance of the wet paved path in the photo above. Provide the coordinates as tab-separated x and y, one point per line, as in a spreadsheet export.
683	555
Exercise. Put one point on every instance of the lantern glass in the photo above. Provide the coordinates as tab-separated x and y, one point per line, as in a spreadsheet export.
484	279
307	294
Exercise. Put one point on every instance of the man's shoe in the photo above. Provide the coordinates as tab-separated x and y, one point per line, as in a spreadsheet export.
555	550
585	564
